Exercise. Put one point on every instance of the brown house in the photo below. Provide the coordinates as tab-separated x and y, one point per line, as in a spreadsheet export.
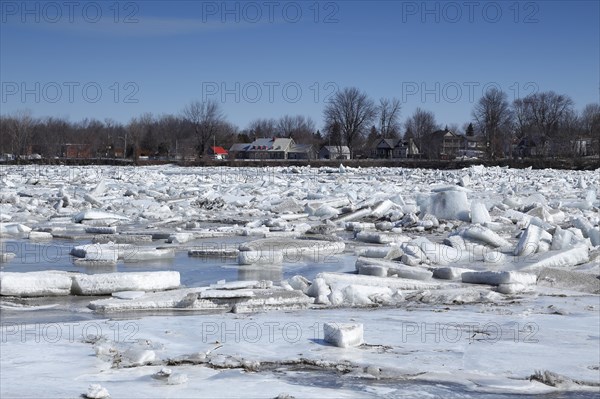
442	144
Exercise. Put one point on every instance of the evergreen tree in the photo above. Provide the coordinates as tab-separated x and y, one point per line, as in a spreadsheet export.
470	130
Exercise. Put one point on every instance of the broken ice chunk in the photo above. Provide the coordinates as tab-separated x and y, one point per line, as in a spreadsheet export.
96	391
343	335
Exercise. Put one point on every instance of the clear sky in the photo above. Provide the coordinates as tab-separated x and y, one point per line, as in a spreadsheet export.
270	58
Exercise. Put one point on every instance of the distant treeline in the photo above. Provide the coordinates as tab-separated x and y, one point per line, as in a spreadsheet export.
351	118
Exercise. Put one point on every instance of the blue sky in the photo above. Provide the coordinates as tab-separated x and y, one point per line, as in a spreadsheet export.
267	59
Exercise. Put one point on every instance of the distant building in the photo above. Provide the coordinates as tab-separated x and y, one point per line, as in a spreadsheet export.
269	148
76	151
531	147
442	144
218	152
406	149
394	148
383	148
238	151
334	152
474	147
302	151
263	148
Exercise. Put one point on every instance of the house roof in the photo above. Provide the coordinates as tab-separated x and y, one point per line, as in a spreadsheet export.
390	143
301	148
270	144
237	147
439	134
219	150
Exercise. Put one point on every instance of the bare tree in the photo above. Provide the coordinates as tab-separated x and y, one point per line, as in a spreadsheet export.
523	119
389	113
205	117
590	122
547	109
494	117
418	125
297	127
20	128
353	111
262	128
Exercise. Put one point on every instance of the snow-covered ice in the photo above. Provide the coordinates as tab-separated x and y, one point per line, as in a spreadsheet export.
437	283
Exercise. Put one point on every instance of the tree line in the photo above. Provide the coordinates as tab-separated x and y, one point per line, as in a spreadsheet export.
351	118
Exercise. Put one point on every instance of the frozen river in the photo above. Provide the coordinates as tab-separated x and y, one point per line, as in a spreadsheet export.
222	282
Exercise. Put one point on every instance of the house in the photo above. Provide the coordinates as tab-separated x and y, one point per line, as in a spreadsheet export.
531	147
302	151
269	148
239	151
263	148
218	152
474	147
334	152
406	149
442	144
383	148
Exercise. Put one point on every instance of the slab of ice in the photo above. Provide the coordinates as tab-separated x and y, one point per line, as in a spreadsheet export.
563	239
361	213
98	252
326	212
383	208
483	234
139	253
449	205
479	213
128	294
343	335
214	251
564	258
392	269
363	295
514	288
449	273
39	235
342	280
372	270
381	238
582	224
442	254
107	283
93	214
101	230
33	284
294	250
260	257
529	241
388	252
594	236
319	289
14	228
497	278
